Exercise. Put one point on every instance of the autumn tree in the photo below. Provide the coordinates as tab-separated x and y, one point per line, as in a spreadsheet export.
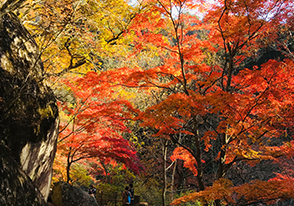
228	111
96	128
75	37
215	110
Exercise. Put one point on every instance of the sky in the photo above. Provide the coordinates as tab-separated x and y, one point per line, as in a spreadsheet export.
174	11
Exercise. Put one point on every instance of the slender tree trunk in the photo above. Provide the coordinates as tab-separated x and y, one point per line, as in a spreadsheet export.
173	180
106	171
164	150
221	171
198	156
70	155
68	166
230	72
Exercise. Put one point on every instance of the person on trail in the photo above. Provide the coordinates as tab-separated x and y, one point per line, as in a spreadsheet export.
92	191
131	189
126	196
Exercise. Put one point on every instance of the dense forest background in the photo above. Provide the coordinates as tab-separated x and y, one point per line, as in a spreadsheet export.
192	101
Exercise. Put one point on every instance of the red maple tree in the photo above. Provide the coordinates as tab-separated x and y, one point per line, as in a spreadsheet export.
227	111
96	126
209	94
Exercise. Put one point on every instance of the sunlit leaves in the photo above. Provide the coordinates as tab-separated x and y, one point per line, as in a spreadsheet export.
249	193
206	93
96	123
190	80
221	189
76	36
189	160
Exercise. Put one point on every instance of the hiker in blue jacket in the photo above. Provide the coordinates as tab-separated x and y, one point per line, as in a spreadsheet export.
126	196
131	189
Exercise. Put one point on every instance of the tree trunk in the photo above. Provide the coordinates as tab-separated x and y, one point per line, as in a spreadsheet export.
68	167
173	180
164	150
198	155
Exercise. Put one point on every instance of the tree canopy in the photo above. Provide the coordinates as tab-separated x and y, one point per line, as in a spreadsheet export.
183	74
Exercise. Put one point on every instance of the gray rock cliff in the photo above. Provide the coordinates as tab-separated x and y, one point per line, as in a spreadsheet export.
28	118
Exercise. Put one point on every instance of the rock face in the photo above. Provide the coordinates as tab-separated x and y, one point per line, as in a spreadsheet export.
17	189
28	115
37	160
64	194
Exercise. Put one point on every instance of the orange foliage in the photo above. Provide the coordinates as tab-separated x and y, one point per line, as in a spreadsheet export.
203	84
204	93
189	160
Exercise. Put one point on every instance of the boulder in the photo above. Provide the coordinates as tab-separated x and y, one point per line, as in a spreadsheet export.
28	114
64	194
